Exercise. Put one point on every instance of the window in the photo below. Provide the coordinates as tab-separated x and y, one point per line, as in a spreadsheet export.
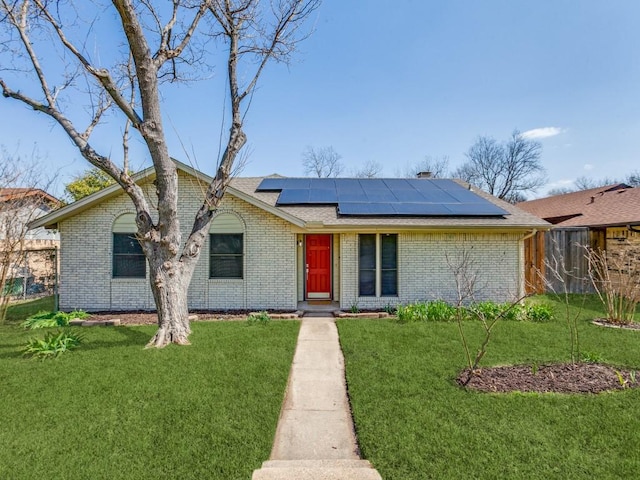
378	265
226	247
226	255
389	265
128	259
367	265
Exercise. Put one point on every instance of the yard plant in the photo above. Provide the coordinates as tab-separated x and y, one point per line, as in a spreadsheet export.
414	421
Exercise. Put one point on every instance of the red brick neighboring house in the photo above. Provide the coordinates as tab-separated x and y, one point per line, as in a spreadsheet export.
609	217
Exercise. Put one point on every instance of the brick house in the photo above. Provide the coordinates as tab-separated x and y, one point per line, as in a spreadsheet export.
275	245
605	218
27	256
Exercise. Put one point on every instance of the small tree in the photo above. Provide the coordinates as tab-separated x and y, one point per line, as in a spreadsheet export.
557	277
507	170
21	201
615	277
467	275
323	162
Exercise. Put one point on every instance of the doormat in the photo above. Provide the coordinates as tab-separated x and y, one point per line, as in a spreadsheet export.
319	302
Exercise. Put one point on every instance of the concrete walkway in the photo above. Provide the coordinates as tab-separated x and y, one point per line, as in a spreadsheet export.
315	437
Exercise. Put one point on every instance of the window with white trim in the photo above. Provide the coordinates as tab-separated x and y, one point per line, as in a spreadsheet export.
128	259
378	265
226	247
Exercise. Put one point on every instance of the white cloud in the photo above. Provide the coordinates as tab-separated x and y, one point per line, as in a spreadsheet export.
560	184
543	132
588	166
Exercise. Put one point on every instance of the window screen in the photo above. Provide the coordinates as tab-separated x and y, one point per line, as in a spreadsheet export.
389	265
367	265
128	259
226	255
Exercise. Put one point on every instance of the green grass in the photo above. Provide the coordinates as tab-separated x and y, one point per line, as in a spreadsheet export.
414	422
19	311
111	409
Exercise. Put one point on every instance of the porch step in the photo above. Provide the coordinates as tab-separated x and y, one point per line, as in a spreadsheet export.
316	470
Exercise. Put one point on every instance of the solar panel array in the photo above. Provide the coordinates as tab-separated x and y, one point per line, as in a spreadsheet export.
383	197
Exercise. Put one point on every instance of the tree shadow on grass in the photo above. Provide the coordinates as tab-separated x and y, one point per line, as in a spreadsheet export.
129	336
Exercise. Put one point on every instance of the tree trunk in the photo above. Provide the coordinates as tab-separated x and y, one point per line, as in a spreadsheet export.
169	289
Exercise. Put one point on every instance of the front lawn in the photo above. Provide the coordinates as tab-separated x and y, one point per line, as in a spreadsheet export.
18	311
111	409
414	422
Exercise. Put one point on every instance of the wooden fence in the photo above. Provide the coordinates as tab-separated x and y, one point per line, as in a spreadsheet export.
556	261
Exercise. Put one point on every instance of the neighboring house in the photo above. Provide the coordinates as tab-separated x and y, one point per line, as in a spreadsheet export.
27	255
605	218
276	242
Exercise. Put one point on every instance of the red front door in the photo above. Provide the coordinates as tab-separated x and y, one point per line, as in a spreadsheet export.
318	266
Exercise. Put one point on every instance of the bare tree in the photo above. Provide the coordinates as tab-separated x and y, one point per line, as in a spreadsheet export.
438	167
587	183
21	201
467	276
161	43
323	162
507	170
559	191
370	169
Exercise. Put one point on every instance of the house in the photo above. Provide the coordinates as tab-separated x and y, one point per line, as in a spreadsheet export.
277	242
604	218
27	256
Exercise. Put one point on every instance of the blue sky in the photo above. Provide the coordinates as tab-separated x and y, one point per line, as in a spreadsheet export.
394	84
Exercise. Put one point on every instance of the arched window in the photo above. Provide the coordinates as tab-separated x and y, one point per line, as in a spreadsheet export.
128	259
226	247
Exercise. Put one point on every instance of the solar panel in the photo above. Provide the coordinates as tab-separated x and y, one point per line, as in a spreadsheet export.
380	195
421	209
293	197
369	209
383	197
271	185
323	196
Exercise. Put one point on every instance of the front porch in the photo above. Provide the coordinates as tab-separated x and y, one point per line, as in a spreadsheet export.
318	306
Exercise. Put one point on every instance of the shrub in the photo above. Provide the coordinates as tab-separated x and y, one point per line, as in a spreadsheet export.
413	312
592	357
54	344
52	319
435	311
259	318
486	310
537	312
615	279
390	309
439	310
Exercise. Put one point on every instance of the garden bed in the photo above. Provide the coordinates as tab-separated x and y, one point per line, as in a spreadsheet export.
554	378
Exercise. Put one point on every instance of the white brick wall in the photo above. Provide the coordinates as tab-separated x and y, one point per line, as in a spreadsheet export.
270	269
269	261
423	272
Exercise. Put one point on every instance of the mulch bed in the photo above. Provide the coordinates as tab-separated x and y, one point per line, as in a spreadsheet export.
603	322
554	378
151	318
